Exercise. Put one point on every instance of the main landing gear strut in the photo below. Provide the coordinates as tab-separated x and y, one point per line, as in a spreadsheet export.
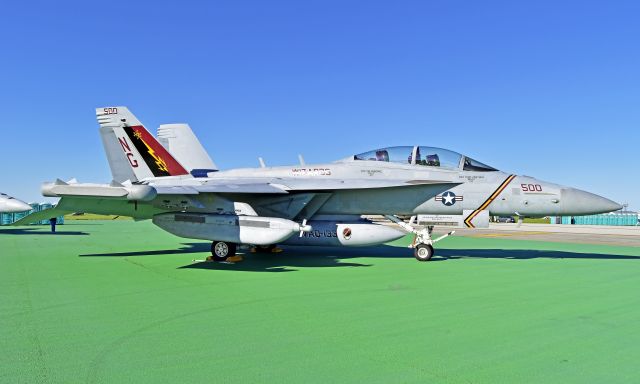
422	243
223	251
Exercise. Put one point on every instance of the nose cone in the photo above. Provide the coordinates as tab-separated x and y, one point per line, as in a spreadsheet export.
577	202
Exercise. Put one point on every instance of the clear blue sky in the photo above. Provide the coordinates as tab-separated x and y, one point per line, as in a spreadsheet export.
549	89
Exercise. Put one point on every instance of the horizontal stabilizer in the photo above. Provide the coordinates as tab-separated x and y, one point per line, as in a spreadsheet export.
42	215
115	190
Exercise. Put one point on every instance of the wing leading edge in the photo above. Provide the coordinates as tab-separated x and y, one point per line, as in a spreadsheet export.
147	192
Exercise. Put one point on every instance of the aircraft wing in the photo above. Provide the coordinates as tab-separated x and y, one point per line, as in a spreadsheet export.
143	192
286	185
42	215
337	184
229	187
277	186
281	197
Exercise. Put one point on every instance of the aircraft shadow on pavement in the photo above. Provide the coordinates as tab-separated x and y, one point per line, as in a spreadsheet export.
271	262
522	254
40	231
185	249
317	257
304	257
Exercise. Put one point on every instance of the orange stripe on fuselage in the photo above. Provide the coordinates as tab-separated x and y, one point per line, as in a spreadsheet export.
484	205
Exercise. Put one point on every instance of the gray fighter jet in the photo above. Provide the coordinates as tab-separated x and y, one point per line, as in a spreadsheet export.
10	204
318	204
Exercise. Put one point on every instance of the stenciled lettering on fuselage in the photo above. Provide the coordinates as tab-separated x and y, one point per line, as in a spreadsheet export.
322	233
311	171
371	172
471	178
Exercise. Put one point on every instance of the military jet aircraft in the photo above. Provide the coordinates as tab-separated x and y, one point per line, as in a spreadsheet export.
10	204
318	204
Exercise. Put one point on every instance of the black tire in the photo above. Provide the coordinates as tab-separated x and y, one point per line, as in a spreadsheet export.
423	252
221	250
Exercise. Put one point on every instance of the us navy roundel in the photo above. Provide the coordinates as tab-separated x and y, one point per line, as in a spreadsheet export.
448	198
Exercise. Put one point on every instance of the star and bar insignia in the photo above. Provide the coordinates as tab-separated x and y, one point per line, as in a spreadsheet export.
449	198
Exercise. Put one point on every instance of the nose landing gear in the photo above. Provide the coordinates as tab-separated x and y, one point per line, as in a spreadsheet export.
423	243
423	252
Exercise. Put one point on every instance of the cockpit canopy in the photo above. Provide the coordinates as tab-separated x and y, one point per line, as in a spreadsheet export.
426	156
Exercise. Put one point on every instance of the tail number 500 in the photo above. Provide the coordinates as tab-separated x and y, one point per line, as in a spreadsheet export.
531	187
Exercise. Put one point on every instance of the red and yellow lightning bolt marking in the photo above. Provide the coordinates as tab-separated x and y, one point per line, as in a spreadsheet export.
162	165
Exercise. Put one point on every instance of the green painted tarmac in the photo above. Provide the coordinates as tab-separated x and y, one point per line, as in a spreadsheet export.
105	302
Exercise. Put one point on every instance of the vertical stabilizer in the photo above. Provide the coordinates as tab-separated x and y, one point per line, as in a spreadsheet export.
133	153
182	143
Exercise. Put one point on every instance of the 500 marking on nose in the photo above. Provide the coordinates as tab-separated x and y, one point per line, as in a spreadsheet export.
531	187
